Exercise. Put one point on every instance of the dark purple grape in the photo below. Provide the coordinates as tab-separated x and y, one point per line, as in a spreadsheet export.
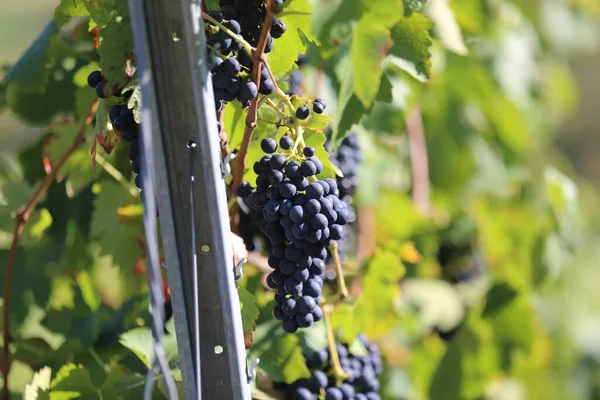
94	78
302	112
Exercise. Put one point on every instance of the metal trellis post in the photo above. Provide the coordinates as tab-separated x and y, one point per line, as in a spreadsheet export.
179	113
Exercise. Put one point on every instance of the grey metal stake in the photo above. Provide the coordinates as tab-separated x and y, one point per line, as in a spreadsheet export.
177	93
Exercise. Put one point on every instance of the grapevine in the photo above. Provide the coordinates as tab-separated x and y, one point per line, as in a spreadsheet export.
406	220
360	384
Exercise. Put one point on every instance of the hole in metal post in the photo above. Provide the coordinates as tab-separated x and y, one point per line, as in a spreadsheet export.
191	144
218	349
205	248
176	37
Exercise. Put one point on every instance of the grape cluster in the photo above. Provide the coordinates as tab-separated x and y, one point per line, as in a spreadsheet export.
347	158
362	383
295	80
122	119
232	70
300	219
460	262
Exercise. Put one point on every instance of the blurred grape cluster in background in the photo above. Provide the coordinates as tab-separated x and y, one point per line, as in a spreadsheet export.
501	291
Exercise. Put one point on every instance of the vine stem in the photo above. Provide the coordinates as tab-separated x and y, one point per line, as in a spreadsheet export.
418	160
116	175
341	282
223	138
274	106
233	35
338	371
240	163
366	241
22	218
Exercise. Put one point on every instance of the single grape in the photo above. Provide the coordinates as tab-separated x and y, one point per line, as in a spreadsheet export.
308	151
268	145
286	143
231	66
114	112
308	168
333	393
216	15
234	26
302	112
318	108
290	325
321	101
278	28
304	320
100	90
302	393
248	90
94	78
266	87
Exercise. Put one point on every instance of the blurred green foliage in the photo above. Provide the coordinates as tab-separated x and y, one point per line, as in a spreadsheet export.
491	294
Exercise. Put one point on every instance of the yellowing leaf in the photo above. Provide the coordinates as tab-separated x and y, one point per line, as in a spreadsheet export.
410	253
131	210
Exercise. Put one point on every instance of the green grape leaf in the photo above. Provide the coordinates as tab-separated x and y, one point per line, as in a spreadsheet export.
391	205
39	383
446	26
88	290
80	77
32	328
117	238
331	14
286	49
234	123
62	294
72	380
499	296
30	71
411	45
250	314
58	97
374	313
110	197
470	361
384	13
369	47
101	11
135	104
350	109
116	50
131	386
313	339
318	122
13	195
78	167
140	341
68	9
33	233
514	323
280	353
